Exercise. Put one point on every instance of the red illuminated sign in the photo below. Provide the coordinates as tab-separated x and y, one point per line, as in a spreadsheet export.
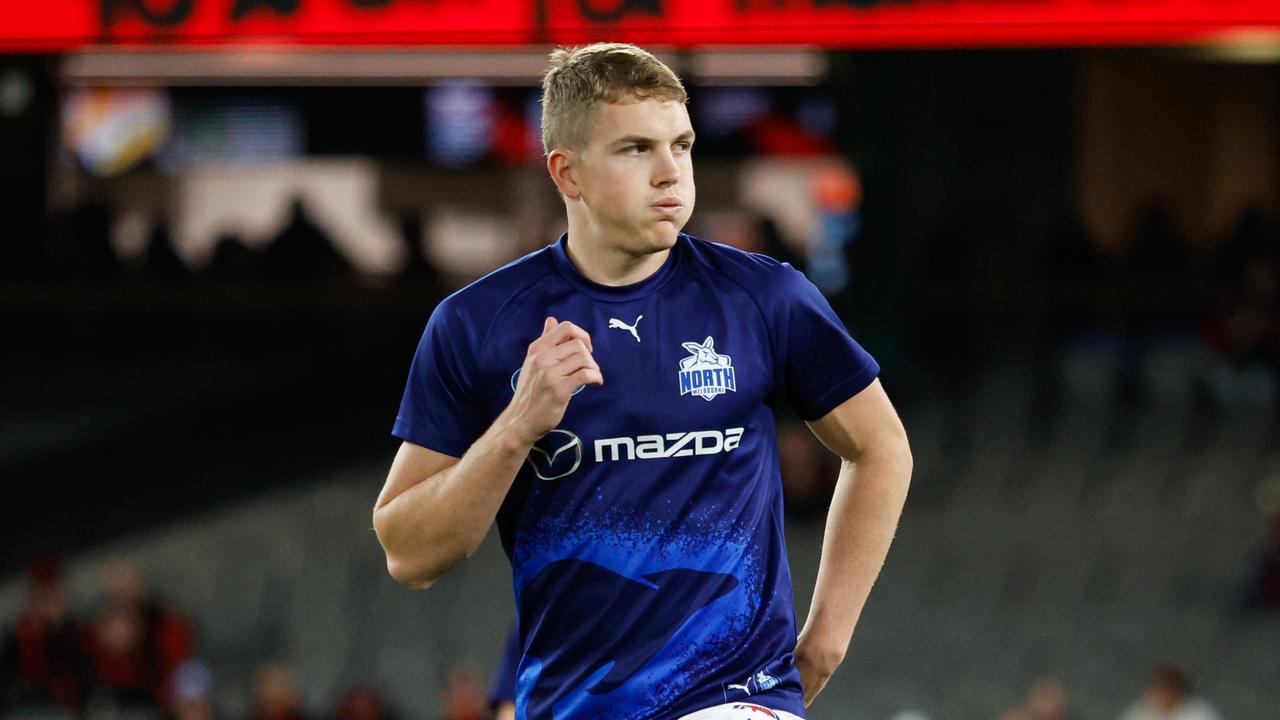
55	25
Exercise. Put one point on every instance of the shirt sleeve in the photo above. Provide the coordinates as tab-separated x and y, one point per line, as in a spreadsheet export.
820	365
440	409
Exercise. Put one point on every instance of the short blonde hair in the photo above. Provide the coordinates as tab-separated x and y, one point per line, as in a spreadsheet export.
581	77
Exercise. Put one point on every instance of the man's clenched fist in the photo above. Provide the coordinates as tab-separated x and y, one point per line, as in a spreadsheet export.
556	365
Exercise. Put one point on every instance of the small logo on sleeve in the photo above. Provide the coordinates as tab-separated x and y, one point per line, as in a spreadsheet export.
706	373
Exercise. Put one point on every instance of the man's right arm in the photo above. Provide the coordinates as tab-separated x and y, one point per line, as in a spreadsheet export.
434	510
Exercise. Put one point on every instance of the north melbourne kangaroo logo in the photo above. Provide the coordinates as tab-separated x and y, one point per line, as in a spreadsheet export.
615	323
763	681
706	373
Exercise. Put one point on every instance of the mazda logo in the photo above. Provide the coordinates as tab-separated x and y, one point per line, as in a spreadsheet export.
555	455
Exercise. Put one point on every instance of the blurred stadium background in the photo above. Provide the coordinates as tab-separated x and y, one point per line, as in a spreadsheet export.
225	222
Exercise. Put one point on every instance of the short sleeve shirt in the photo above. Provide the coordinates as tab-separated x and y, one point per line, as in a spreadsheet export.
645	532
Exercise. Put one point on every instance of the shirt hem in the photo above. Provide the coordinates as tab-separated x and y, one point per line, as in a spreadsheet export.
851	386
430	441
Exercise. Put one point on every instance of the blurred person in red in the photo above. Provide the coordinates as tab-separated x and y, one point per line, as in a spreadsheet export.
276	695
463	697
1168	697
502	691
1047	700
136	642
42	661
362	703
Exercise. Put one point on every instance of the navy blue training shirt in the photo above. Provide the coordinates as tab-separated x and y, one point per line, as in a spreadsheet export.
645	532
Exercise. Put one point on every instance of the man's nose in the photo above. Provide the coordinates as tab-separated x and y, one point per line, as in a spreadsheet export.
667	170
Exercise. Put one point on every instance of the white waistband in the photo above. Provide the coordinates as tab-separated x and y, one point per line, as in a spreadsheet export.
740	711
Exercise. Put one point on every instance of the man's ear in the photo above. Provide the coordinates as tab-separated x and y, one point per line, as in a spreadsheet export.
563	173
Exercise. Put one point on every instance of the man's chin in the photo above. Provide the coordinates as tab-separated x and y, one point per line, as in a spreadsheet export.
664	235
663	240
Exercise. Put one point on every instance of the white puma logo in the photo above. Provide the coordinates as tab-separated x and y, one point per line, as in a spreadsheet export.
616	323
744	688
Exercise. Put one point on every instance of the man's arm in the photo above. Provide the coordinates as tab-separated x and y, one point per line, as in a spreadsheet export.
868	436
434	510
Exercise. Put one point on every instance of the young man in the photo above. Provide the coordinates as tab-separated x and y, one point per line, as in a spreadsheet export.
607	400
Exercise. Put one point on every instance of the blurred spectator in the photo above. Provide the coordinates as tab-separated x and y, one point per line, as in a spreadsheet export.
136	643
1158	261
190	692
1246	334
1168	697
362	703
1255	236
276	695
1045	700
42	661
463	698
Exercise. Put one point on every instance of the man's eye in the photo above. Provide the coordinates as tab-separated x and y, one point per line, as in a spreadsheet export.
633	149
684	146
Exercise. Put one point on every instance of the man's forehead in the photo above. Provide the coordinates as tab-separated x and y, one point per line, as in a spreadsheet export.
637	117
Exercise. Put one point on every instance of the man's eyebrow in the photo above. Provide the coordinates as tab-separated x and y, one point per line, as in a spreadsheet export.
686	136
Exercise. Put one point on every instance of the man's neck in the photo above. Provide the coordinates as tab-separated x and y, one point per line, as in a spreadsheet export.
600	262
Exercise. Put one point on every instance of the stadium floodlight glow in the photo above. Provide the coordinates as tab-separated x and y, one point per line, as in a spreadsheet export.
1247	45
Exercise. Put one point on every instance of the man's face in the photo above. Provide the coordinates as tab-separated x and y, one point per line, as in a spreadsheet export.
636	173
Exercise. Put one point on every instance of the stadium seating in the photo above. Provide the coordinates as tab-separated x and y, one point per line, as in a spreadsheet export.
1107	538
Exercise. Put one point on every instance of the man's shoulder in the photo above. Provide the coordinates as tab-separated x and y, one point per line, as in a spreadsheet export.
736	263
760	275
486	295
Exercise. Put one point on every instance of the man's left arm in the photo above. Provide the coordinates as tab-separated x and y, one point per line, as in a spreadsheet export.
874	474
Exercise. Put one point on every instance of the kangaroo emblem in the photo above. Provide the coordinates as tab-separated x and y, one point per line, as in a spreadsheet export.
615	323
706	373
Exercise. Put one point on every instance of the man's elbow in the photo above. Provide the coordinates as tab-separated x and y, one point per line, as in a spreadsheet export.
416	570
901	450
422	575
409	576
890	449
